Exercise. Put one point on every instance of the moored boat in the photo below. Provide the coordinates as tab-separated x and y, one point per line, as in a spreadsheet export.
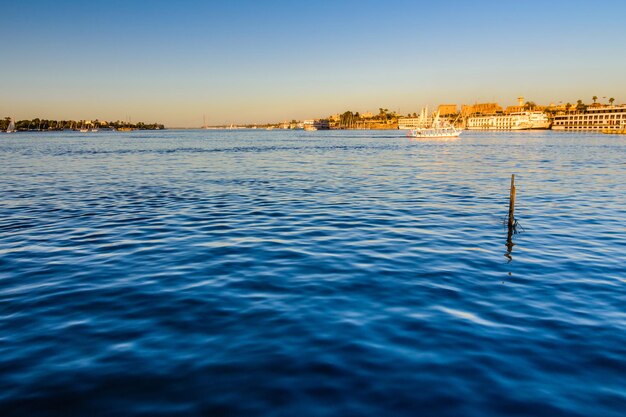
598	119
526	120
316	124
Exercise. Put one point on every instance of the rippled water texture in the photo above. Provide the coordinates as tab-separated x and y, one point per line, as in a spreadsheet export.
260	273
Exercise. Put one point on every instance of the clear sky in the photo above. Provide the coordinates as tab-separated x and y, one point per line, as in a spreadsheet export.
255	61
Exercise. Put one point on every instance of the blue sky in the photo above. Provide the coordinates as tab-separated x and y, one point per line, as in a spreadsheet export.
255	61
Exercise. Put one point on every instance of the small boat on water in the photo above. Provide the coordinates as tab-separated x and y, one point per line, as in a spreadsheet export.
11	127
437	129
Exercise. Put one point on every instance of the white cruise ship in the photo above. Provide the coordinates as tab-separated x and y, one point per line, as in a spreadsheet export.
515	121
594	119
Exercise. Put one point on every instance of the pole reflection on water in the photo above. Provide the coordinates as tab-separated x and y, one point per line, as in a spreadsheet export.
512	223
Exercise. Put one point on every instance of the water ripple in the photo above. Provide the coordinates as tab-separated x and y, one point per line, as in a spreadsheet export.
326	274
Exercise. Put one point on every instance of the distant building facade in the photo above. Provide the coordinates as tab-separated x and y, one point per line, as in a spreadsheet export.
409	123
514	109
480	108
447	109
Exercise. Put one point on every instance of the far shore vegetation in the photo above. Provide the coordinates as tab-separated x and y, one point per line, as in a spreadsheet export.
40	125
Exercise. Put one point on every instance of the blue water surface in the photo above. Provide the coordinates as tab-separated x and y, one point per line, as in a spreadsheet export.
277	273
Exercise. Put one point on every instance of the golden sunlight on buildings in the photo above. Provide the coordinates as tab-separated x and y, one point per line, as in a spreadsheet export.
447	109
480	108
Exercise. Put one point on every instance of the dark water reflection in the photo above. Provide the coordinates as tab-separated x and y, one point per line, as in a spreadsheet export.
337	273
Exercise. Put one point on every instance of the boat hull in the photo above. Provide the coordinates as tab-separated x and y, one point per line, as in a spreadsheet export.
434	135
500	128
614	131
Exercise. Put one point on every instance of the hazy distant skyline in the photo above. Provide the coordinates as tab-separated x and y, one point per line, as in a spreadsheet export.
253	61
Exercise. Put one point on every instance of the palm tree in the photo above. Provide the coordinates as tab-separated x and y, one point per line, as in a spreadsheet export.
611	101
594	98
568	106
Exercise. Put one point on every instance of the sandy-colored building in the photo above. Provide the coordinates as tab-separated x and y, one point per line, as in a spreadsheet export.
447	109
561	107
407	123
521	106
517	109
480	108
513	109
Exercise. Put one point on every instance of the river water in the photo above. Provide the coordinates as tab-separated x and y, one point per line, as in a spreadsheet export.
276	273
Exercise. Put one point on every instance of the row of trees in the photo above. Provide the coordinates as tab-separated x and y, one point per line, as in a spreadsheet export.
351	119
581	106
48	125
595	99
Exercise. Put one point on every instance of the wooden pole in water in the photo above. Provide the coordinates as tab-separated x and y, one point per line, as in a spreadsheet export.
512	203
511	231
